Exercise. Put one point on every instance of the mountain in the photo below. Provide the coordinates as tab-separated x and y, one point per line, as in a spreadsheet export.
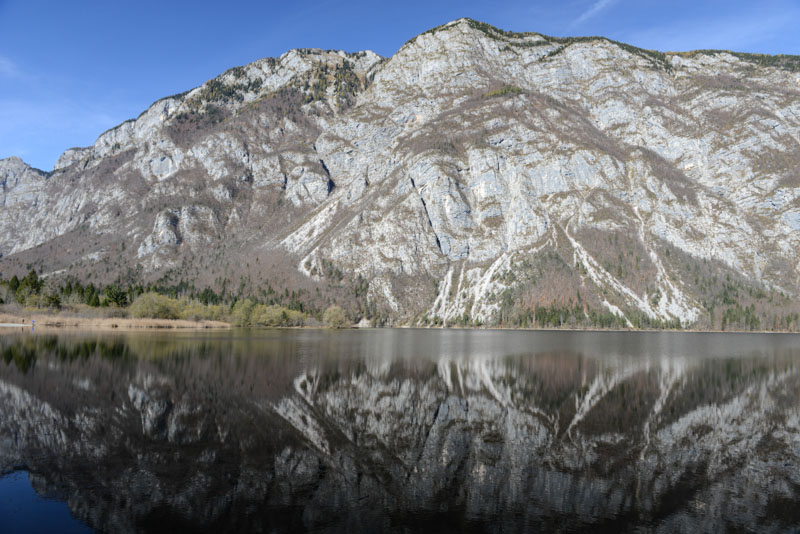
477	175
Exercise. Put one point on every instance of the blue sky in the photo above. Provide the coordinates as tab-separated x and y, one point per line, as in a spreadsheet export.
71	70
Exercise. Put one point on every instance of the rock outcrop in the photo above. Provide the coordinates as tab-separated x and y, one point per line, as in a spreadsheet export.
473	176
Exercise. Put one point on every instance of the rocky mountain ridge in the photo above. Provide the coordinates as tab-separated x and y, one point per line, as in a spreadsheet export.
475	176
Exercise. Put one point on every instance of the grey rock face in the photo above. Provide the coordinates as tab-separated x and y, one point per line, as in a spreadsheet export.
22	188
453	176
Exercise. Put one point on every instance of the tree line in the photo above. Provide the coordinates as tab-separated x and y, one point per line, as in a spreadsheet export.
178	301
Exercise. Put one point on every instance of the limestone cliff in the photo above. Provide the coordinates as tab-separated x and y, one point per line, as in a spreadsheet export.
474	175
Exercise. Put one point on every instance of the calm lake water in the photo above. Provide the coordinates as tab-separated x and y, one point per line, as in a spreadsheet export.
399	430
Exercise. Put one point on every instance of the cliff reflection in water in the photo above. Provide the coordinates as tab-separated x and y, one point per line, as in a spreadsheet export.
457	430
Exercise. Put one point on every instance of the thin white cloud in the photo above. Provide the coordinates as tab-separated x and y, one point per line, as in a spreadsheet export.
740	33
595	8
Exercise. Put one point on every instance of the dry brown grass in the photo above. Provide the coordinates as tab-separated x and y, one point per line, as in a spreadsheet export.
57	321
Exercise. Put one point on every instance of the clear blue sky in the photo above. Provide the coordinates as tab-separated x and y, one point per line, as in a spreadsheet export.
70	70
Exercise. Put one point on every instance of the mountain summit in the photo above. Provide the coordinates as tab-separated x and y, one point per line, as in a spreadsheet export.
476	176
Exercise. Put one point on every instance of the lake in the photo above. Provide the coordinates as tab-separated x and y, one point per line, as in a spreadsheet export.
402	430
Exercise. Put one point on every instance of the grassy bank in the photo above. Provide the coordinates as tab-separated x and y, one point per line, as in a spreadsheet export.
45	321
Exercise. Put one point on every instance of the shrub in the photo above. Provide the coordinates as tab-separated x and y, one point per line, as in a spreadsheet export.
32	300
192	310
155	306
275	316
271	316
334	317
507	90
242	311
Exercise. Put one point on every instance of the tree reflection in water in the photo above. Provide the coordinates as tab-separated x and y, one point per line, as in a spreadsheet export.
407	429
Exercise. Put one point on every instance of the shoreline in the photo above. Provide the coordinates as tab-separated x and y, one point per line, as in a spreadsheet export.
617	330
61	322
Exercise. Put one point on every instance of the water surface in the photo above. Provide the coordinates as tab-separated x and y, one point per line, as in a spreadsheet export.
403	430
23	509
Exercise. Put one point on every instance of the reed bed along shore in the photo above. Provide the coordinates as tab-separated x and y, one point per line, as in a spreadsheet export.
59	321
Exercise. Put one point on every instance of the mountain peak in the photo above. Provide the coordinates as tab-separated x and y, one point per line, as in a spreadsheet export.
471	26
12	160
790	63
14	164
476	176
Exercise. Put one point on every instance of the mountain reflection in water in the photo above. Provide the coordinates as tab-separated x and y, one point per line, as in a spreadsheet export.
408	429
